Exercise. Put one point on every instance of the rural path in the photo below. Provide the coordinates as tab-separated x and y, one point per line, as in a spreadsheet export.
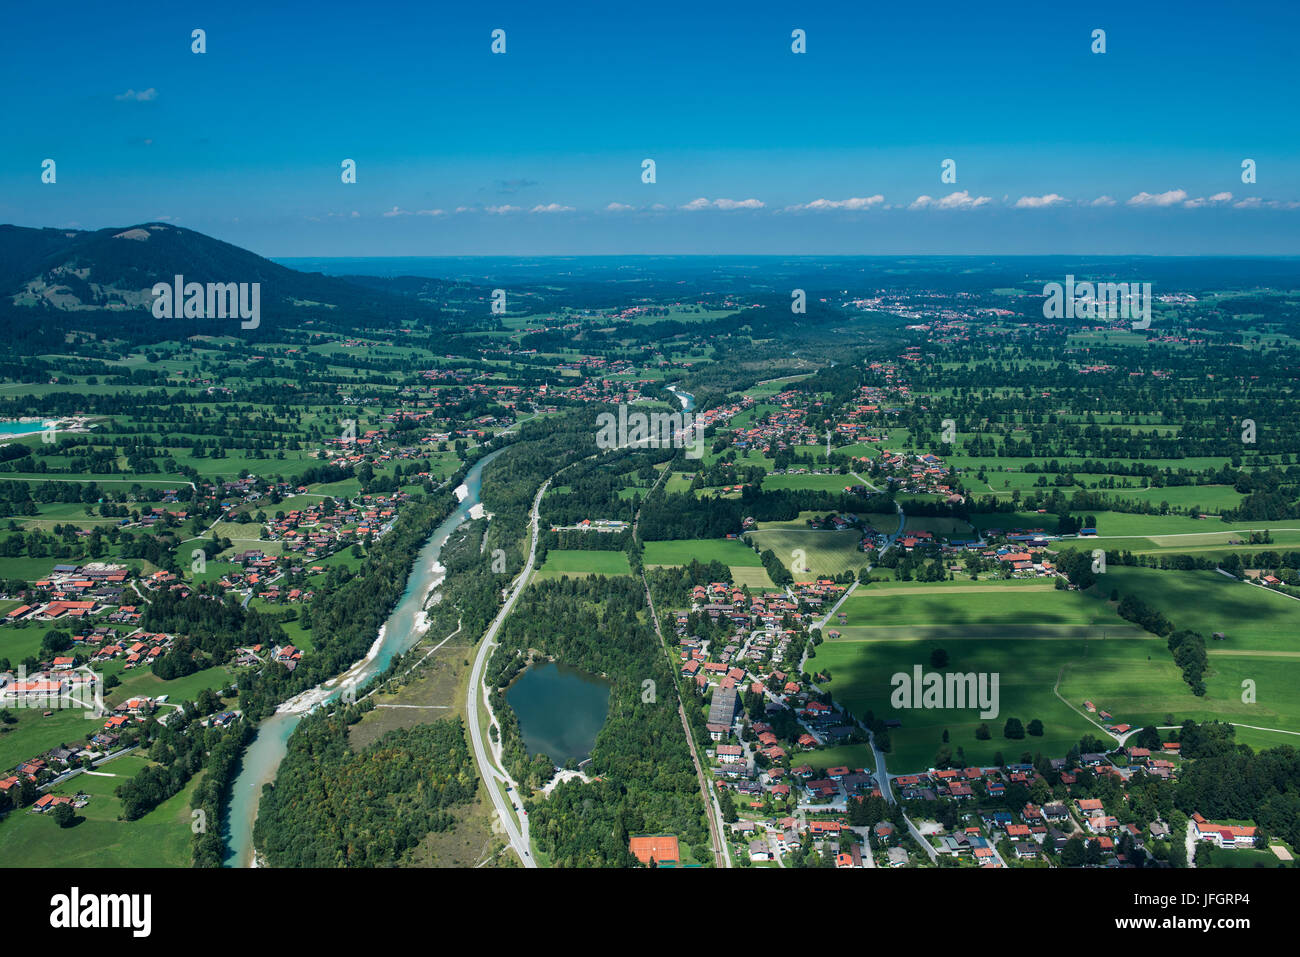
1056	690
921	839
721	856
716	825
1190	534
836	607
490	773
73	772
865	482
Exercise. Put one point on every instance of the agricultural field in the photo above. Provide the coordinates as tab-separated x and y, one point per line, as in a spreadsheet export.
98	837
731	552
861	679
1138	683
755	577
575	562
1251	617
812	482
990	606
811	551
843	755
1206	544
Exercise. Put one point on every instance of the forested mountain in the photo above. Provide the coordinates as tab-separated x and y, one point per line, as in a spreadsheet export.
53	281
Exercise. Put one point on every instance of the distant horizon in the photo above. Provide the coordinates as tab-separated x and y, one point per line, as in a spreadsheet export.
689	129
1296	256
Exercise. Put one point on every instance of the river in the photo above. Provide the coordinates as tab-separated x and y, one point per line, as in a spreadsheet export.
263	756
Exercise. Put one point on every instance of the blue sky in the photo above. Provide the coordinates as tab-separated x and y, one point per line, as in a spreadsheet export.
757	149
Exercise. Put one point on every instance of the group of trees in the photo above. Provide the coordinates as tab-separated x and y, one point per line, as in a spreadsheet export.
1227	781
648	782
335	807
179	749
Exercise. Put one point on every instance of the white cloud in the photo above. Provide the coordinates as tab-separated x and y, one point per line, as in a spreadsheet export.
961	199
1216	198
1254	202
551	208
1169	198
853	202
502	210
1102	201
431	212
703	203
397	211
617	208
1038	202
142	97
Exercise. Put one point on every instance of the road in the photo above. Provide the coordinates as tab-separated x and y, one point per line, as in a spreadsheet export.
73	772
890	539
518	835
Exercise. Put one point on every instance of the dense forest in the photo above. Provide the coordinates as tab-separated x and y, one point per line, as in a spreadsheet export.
647	783
335	807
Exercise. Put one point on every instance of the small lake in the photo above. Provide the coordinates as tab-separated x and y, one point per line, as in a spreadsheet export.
560	709
21	428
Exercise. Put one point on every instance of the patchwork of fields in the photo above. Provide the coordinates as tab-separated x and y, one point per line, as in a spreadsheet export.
1041	641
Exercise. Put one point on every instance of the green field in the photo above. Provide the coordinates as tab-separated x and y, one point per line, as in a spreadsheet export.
34	734
560	562
819	483
682	551
811	552
842	755
1206	544
861	675
755	578
1030	636
1252	618
962	604
1244	857
162	838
